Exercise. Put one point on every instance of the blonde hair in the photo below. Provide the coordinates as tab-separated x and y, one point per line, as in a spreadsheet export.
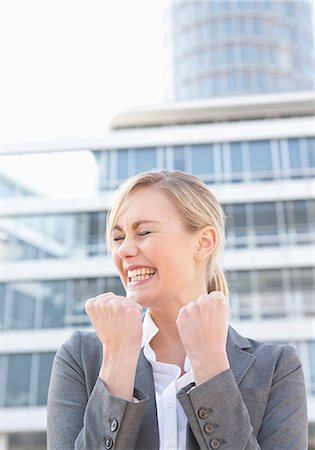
196	204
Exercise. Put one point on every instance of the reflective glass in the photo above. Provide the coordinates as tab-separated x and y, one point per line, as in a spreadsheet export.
202	159
236	157
145	159
122	164
265	218
27	441
260	156
53	297
2	304
23	311
18	380
310	143
295	160
83	289
179	158
239	220
45	365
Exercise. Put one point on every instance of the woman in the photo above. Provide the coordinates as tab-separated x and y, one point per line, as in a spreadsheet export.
182	379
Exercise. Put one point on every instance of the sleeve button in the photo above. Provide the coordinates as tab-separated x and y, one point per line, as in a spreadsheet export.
209	427
203	413
108	442
214	443
113	425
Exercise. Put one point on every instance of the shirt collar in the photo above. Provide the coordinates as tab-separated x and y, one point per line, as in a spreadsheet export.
149	331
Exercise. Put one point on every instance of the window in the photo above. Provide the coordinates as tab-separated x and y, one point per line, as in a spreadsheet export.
202	159
236	157
18	380
53	295
310	144
265	219
45	365
122	164
294	154
179	158
23	310
260	156
145	159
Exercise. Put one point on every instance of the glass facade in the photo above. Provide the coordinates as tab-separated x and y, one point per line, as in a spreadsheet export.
51	303
255	294
31	388
240	47
248	225
231	162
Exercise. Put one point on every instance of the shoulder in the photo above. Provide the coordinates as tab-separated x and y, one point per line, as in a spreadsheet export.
81	346
279	357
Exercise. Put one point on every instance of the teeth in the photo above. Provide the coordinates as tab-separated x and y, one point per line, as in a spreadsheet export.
140	272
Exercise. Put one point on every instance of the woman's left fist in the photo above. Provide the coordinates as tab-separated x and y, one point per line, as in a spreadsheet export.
203	328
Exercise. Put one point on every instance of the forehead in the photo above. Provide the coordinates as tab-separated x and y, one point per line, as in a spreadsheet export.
149	203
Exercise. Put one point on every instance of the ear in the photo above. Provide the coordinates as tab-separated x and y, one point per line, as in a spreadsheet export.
207	241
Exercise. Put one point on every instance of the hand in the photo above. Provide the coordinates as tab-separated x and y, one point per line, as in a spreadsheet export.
203	328
117	321
118	324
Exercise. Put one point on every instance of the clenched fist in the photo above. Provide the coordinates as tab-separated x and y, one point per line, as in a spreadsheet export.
203	328
117	322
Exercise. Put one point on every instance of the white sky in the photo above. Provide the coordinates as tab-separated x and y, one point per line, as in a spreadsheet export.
68	68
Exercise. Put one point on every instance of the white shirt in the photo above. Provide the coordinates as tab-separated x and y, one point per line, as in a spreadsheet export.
167	380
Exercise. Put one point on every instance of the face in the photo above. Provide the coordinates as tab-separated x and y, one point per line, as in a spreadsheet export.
153	253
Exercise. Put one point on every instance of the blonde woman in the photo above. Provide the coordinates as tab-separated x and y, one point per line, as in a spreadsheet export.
181	378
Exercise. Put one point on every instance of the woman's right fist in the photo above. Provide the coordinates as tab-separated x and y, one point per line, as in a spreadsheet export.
117	322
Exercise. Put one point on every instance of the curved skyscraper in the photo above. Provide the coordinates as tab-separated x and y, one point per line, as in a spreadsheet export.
238	47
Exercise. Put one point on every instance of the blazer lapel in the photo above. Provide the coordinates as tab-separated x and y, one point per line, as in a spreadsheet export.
149	432
240	360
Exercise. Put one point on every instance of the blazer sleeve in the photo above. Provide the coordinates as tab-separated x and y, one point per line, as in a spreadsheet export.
77	419
218	416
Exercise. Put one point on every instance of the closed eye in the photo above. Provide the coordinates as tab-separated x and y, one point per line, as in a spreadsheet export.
144	233
118	238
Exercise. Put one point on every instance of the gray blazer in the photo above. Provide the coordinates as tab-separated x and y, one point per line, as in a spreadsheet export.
259	403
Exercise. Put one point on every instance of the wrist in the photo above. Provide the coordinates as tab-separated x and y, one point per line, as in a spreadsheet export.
208	367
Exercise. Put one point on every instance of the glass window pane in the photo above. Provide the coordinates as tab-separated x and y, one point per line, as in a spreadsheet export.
3	293
294	154
310	143
239	220
236	157
269	280
23	311
202	159
27	441
265	218
83	289
179	158
145	159
18	382
54	296
260	156
45	364
3	367
122	164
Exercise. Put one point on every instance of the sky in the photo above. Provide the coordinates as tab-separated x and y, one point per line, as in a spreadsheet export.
68	67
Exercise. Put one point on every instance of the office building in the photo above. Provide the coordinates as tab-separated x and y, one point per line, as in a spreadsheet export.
216	48
257	155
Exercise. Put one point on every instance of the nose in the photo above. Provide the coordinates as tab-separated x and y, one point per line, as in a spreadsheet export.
127	249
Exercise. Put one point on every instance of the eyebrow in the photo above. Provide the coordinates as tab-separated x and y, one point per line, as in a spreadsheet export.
135	225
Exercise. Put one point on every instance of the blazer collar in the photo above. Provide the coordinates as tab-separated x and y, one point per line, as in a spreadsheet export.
238	353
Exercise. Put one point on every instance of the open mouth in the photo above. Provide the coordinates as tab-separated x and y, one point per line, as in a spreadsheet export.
142	274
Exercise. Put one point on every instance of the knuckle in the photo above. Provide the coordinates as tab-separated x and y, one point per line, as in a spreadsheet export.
218	296
89	304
